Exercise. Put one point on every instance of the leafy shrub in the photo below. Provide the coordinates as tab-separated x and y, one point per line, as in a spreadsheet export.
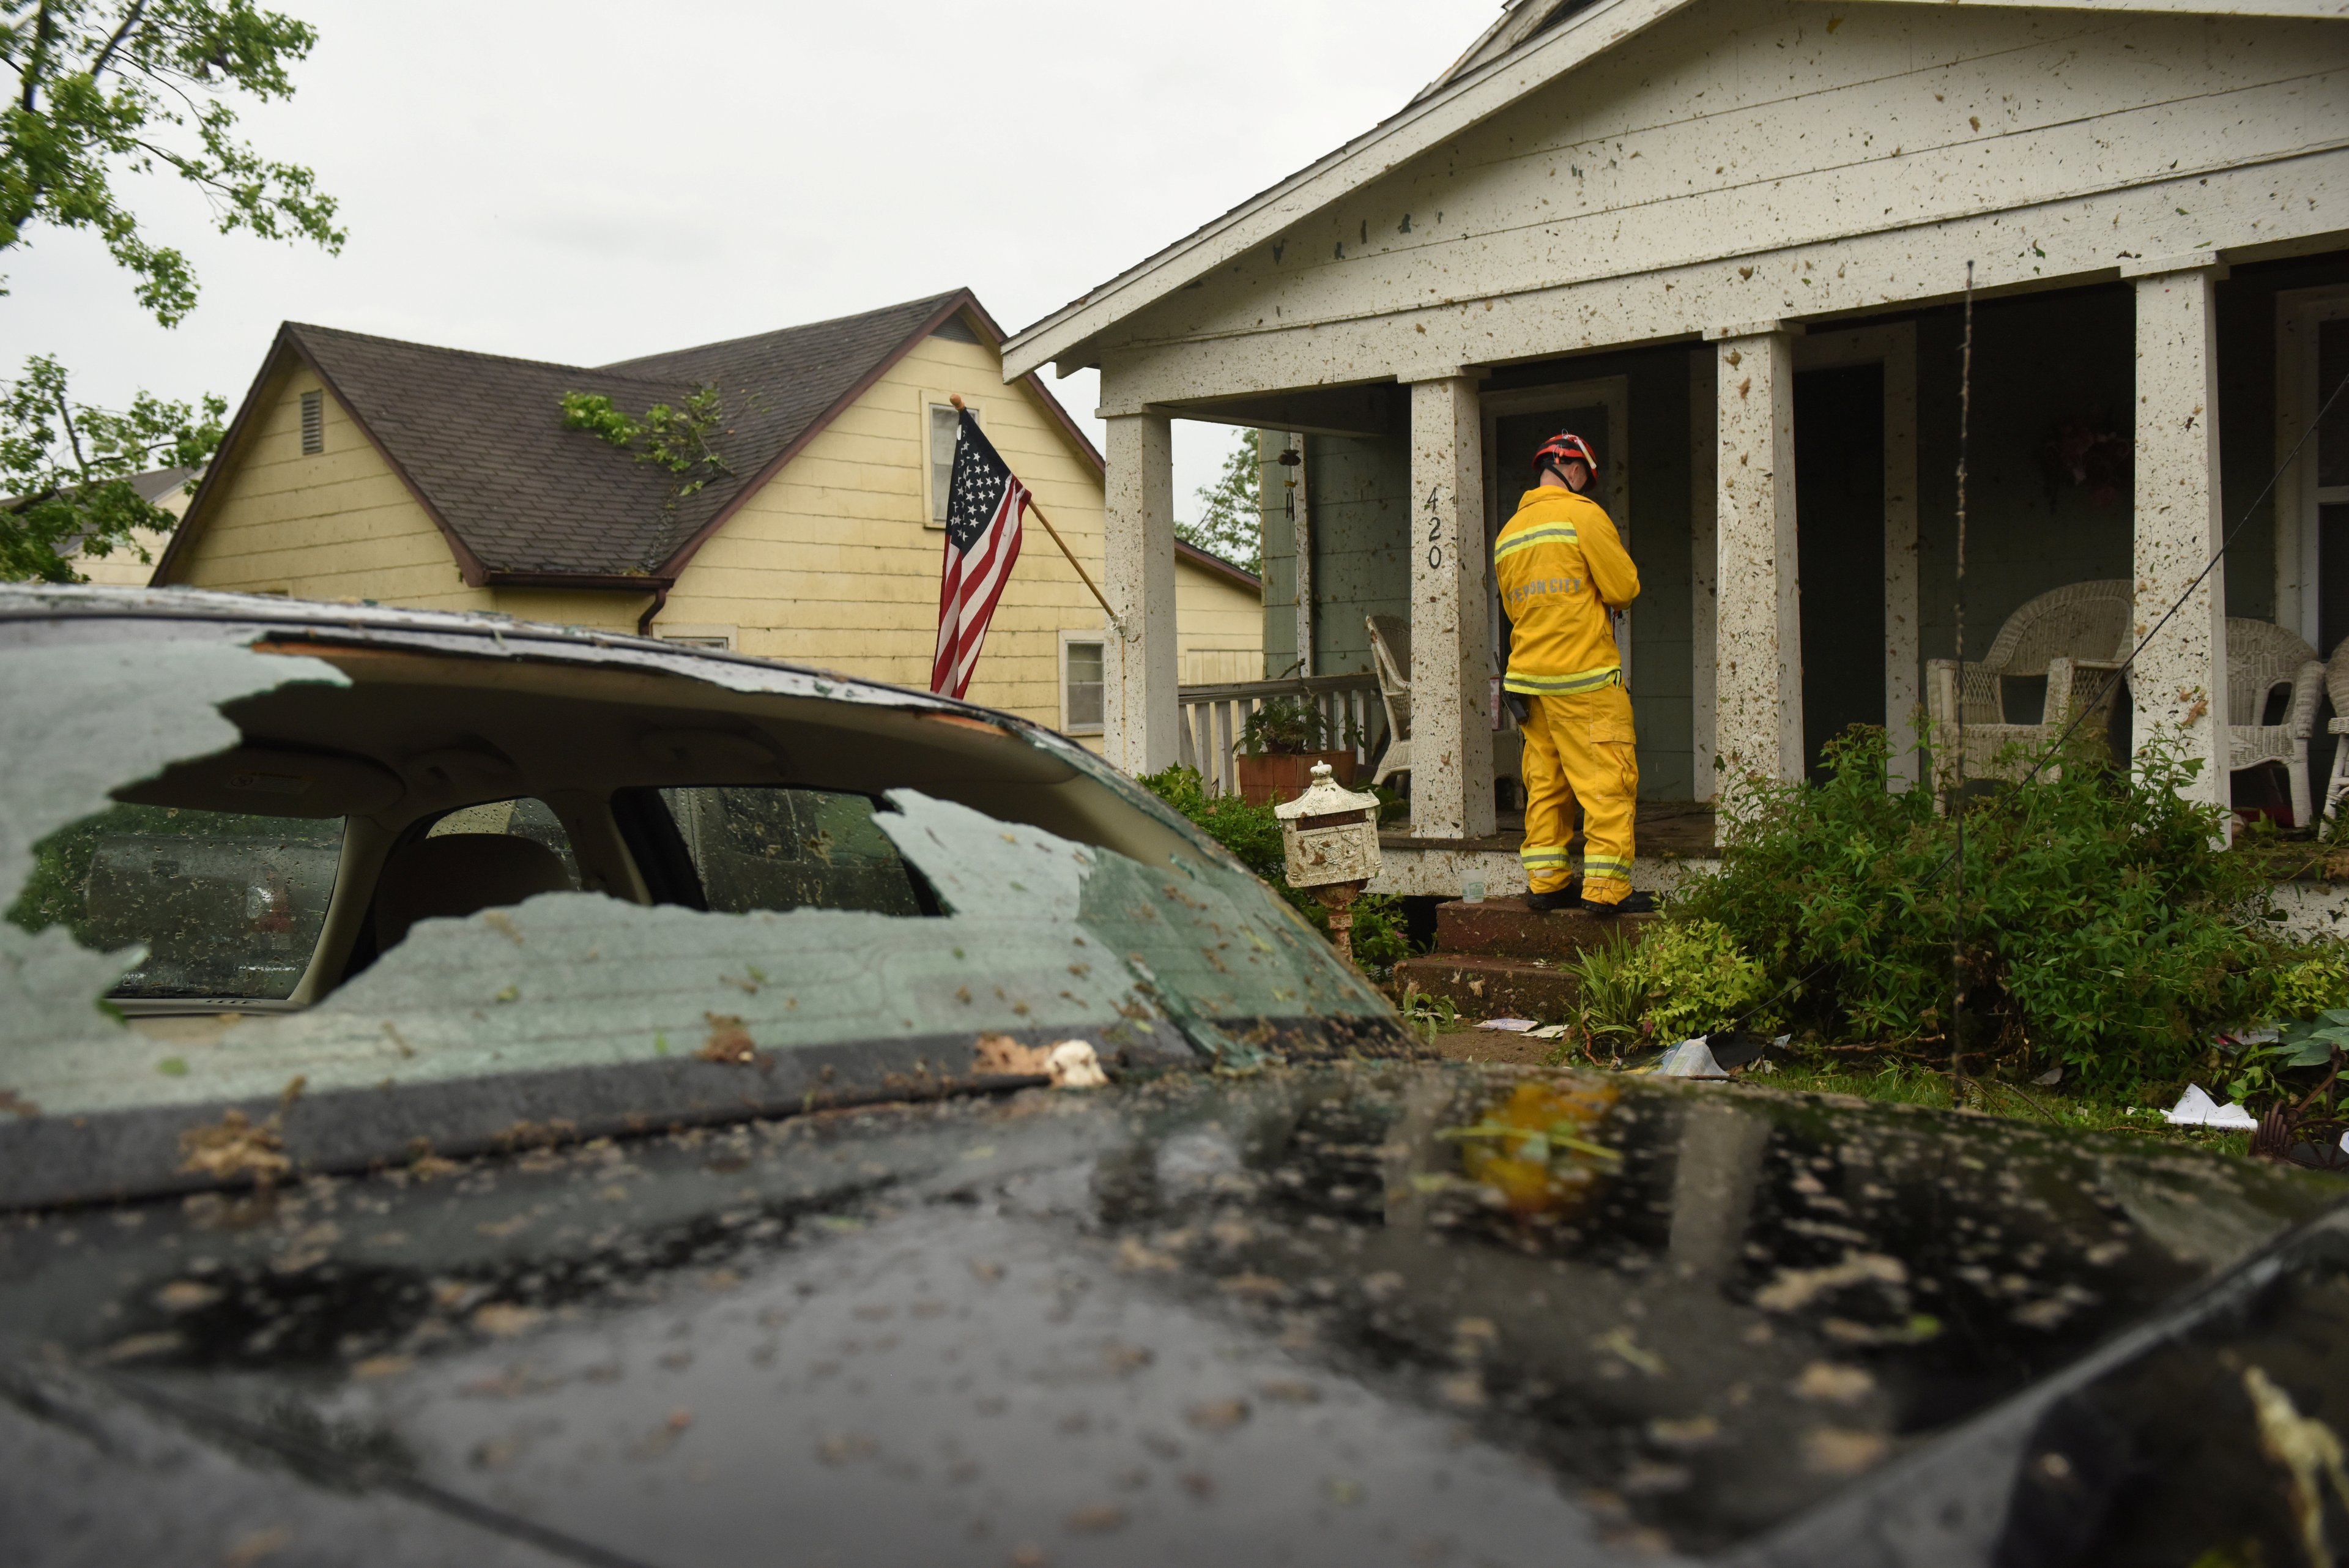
2310	980
1286	726
1694	980
2097	922
1253	835
1610	1000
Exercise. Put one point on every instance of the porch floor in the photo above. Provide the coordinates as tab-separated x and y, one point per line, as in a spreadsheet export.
1663	829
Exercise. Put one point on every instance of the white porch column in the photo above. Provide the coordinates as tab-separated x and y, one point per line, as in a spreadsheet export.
1758	651
1704	563
1451	659
2180	681
1141	713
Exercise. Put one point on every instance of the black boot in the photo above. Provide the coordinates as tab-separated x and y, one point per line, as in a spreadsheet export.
1566	897
1630	904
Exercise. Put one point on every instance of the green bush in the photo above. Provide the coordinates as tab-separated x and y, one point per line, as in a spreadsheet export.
1695	980
1252	833
2098	924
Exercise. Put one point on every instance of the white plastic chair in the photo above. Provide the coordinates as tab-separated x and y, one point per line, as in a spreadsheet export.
2261	656
2074	635
1391	654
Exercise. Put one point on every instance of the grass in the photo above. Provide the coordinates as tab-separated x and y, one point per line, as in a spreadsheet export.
1904	1083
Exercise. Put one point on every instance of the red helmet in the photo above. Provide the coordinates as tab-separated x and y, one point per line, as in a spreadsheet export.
1562	449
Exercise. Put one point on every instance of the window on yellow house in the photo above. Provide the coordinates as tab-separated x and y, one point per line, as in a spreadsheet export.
1082	679
942	450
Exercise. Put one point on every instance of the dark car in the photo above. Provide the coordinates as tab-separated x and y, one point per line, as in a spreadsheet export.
481	1093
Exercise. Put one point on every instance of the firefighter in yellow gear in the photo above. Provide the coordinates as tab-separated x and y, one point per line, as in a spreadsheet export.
1561	569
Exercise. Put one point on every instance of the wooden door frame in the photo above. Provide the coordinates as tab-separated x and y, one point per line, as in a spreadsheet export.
1612	393
1894	347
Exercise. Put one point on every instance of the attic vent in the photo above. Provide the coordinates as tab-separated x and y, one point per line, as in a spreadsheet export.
954	329
314	424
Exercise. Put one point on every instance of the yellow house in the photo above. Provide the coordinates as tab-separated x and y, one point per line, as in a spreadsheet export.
367	468
163	487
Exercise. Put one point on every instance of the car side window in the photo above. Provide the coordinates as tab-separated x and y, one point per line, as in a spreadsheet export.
756	847
227	903
523	817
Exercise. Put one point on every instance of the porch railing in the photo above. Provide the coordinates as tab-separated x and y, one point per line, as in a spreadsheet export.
1212	718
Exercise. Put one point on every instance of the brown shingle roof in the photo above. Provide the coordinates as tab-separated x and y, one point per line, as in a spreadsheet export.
480	437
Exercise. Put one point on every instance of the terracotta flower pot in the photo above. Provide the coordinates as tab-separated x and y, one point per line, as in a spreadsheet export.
1277	776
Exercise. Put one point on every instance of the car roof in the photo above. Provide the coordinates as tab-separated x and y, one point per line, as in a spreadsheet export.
504	635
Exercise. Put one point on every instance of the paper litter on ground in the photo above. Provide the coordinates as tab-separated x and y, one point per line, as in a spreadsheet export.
1550	1032
1507	1026
2196	1108
1690	1059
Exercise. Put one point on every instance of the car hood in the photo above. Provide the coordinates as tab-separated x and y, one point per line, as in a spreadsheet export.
1365	1312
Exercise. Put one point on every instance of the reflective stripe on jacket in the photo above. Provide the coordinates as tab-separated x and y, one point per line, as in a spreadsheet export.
1560	565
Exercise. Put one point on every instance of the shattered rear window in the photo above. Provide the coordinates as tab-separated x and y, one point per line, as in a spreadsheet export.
225	904
761	848
876	906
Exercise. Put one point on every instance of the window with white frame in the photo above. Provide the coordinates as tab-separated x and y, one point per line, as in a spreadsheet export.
943	427
1083	681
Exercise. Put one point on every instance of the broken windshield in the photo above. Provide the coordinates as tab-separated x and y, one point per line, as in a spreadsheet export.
557	893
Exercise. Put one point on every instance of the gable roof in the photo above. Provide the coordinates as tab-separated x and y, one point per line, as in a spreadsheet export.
1533	44
1208	561
479	438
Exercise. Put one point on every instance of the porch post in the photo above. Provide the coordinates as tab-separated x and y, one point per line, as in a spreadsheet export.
2180	681
1141	713
1451	661
1758	669
1704	602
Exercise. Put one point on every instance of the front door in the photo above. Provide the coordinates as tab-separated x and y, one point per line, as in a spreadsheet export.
1840	500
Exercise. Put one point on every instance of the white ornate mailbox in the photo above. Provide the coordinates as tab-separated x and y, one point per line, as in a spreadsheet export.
1330	838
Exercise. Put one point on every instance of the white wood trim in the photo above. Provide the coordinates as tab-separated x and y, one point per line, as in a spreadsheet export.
1614	487
1101	639
2297	587
927	399
1704	569
1895	348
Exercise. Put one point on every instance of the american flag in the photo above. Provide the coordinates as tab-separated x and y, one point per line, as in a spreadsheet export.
985	506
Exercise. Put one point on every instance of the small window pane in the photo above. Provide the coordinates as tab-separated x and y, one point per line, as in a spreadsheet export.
944	427
762	848
524	818
1084	686
227	905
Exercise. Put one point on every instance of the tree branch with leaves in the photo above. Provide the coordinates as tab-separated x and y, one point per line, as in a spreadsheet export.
1231	519
676	439
104	91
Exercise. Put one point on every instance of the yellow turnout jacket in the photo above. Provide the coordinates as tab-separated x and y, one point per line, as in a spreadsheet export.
1560	565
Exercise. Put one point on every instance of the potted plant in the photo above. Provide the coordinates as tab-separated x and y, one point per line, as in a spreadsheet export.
1278	745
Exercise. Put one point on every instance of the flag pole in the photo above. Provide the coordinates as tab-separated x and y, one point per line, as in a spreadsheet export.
956	398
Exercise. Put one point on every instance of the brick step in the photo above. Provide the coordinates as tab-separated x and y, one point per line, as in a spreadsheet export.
1482	986
1505	928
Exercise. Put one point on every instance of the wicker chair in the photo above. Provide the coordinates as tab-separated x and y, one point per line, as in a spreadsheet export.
1391	653
2336	683
2073	635
2261	656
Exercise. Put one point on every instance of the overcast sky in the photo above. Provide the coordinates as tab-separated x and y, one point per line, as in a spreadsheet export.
586	180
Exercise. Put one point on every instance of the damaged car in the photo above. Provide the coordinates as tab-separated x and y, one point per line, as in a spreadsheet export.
480	1091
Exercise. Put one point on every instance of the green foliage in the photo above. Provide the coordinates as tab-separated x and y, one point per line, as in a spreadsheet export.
1610	998
1231	521
676	439
1293	726
2310	980
1694	980
1431	1015
1252	833
105	89
70	466
2097	923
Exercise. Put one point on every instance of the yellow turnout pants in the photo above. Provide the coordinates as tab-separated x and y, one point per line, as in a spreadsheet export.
1579	747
